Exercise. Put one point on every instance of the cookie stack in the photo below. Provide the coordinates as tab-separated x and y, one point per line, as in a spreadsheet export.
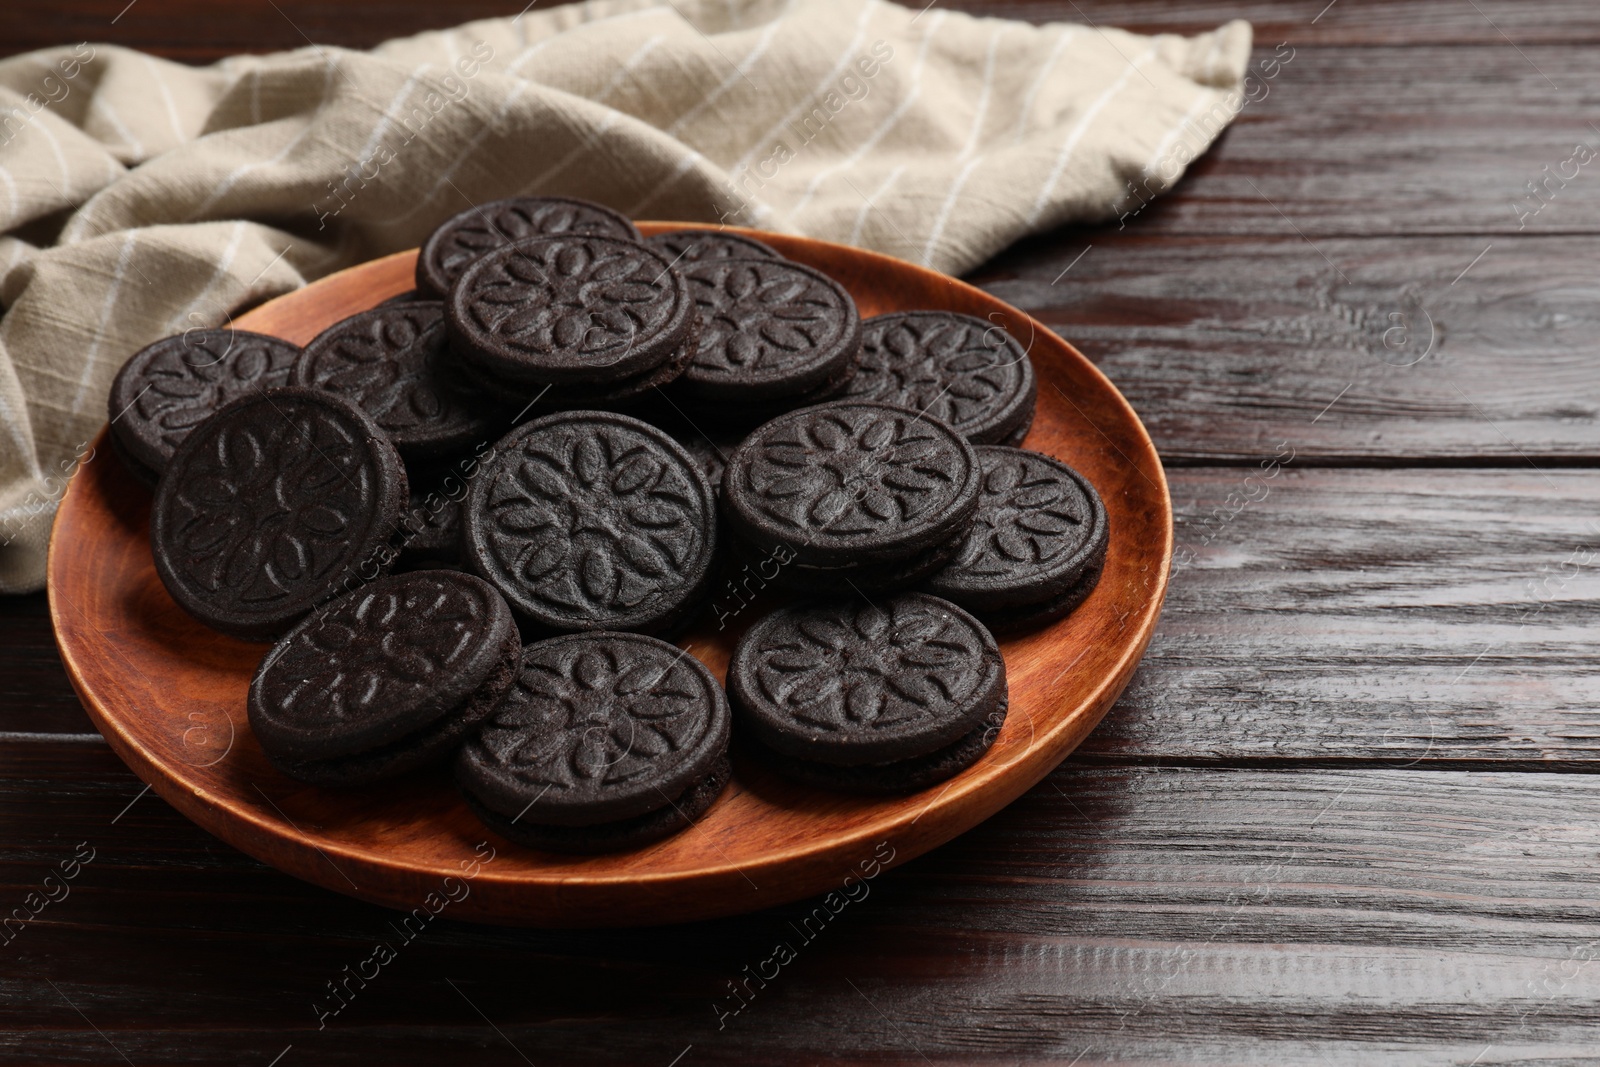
869	697
471	517
573	320
864	496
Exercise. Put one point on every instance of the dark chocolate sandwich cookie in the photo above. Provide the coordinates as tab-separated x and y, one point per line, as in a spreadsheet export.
385	679
962	369
882	698
589	520
896	776
273	505
691	246
770	330
853	488
605	741
588	317
148	477
462	239
710	452
709	442
430	528
1036	546
166	389
841	580
395	364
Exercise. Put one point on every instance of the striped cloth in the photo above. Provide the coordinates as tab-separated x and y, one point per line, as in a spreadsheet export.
140	198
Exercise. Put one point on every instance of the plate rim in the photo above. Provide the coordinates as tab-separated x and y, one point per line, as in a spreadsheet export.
229	819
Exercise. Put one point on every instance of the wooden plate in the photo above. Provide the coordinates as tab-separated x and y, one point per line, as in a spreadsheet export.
169	694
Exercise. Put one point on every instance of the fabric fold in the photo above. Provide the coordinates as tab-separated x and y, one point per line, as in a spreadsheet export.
140	197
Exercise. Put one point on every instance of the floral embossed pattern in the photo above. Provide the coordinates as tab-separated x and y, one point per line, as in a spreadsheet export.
692	246
479	231
373	659
577	303
761	318
169	388
268	505
600	720
964	370
859	670
591	521
395	364
1033	515
844	474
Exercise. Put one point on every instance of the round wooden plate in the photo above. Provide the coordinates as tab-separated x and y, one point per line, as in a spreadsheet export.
169	694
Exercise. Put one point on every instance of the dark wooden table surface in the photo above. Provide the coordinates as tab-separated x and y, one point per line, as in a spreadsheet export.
1346	812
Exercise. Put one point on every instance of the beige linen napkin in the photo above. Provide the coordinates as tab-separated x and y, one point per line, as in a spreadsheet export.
139	198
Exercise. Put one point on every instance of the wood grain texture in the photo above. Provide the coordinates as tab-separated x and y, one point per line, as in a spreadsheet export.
35	696
1356	142
169	694
1142	914
1229	346
1320	23
1205	914
1412	617
1433	618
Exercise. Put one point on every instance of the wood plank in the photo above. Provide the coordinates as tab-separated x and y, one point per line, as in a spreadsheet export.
1227	346
1318	22
1406	616
197	31
201	31
34	693
1352	141
1320	615
1240	917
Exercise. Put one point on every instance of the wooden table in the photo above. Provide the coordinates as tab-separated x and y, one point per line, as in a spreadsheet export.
1340	815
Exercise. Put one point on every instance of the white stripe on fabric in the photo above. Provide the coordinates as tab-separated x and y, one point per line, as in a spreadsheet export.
166	98
24	443
589	141
690	158
871	204
527	54
626	69
1071	143
133	143
611	119
11	419
1212	54
1202	98
827	80
887	124
225	261
15	204
240	171
386	119
107	306
61	159
460	160
945	209
1026	108
739	72
982	110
